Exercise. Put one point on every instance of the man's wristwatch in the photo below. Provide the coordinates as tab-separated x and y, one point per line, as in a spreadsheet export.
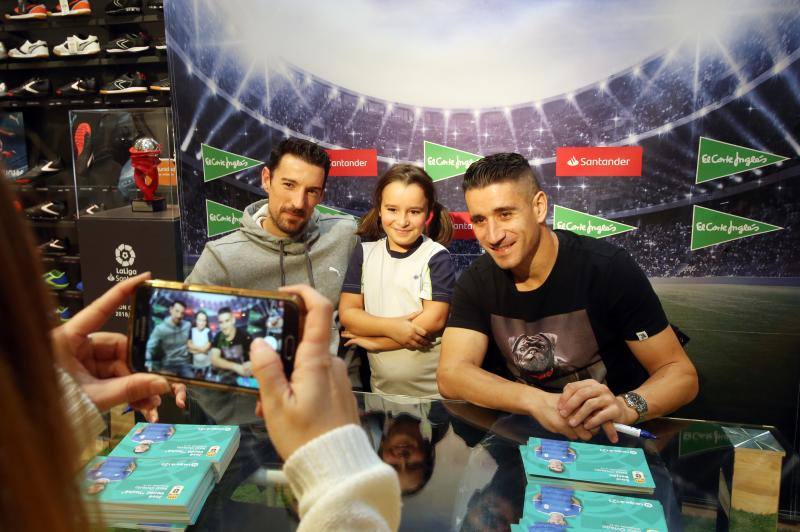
637	402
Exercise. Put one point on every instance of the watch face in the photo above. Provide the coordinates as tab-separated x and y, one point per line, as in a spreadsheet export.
636	402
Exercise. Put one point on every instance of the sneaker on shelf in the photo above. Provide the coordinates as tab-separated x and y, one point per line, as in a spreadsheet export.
49	210
78	45
28	11
92	209
78	87
160	43
40	171
132	43
54	246
33	88
79	286
160	85
3	52
156	5
82	146
124	7
30	50
126	84
74	8
3	90
56	279
64	314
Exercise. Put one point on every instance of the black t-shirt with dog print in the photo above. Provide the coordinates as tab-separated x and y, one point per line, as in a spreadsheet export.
572	327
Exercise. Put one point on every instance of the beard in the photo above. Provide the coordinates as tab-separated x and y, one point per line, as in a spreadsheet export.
289	228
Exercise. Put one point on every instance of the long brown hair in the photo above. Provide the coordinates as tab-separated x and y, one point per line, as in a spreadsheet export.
440	227
39	457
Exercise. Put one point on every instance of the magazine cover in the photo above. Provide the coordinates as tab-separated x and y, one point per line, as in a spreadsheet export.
584	464
551	508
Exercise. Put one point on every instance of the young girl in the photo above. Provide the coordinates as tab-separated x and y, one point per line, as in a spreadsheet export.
200	341
396	294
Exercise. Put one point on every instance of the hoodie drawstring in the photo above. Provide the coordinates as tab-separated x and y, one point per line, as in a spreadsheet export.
309	268
283	272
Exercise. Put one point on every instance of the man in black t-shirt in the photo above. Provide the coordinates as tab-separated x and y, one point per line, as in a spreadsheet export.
562	327
230	348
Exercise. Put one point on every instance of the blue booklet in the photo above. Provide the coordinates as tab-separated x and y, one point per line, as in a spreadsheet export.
558	508
216	444
587	466
126	489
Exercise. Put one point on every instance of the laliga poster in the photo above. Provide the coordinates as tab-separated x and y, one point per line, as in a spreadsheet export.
670	128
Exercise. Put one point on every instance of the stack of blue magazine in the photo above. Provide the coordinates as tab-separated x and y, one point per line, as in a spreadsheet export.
160	475
566	481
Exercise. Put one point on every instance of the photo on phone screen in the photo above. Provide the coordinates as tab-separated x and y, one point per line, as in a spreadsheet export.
206	336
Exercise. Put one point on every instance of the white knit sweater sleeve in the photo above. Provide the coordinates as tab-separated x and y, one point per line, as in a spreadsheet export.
341	484
83	416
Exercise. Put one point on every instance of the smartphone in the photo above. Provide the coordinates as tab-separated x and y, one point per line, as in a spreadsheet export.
201	334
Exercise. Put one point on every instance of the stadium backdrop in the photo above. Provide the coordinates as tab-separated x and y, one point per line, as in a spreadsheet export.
686	116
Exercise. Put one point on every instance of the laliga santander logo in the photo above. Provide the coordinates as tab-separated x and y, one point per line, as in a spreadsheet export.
125	255
596	161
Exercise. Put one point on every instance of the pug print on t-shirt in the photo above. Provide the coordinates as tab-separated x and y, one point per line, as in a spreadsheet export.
549	352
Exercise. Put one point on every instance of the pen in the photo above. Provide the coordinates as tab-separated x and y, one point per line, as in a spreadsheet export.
633	431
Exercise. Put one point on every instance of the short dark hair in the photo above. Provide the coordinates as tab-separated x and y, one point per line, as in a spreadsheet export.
177	302
224	310
498	168
304	149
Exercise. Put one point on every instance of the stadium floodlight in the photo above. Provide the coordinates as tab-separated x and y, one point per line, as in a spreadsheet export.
632	138
507	111
602	86
637	71
417	112
537	162
446	114
476	113
389	107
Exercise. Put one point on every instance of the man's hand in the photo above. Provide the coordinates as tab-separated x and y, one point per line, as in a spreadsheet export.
245	370
98	361
545	410
590	404
409	334
318	397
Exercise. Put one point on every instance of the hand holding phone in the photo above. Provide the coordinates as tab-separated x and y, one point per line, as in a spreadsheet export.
316	397
202	334
96	360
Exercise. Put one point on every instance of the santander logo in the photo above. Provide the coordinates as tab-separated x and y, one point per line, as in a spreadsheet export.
594	161
353	163
462	226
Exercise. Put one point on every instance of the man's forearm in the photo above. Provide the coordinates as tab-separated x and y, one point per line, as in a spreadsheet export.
668	389
470	383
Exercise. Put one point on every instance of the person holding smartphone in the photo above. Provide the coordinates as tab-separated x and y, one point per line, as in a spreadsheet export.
58	389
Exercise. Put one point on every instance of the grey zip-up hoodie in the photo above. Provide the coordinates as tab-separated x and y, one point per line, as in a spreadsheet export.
252	258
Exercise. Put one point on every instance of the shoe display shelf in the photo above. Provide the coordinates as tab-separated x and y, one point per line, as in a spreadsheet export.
47	129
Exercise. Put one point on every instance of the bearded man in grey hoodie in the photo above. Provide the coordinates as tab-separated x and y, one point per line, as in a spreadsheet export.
282	241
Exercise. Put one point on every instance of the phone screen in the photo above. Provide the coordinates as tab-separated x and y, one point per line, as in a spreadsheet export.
205	336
